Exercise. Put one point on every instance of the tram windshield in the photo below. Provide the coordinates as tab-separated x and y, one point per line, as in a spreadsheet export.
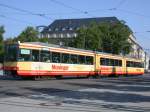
11	52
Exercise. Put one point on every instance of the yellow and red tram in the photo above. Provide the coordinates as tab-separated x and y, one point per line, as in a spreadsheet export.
35	59
108	64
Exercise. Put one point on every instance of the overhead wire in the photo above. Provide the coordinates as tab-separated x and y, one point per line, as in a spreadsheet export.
77	11
25	11
70	7
119	4
137	32
57	13
133	13
17	20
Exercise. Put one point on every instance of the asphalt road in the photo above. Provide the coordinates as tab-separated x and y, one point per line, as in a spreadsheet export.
122	94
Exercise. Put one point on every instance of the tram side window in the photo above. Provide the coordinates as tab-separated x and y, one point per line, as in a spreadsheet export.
65	58
139	64
128	64
102	61
35	55
24	55
55	57
120	62
89	60
45	56
73	59
133	64
142	65
112	62
116	62
107	62
136	64
81	59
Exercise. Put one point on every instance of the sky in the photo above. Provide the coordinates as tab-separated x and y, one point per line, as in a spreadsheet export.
16	15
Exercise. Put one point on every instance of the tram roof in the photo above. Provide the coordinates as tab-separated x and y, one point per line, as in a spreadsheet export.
71	48
57	46
64	47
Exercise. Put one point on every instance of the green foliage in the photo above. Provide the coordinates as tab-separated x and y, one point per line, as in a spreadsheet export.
2	31
87	36
28	35
9	41
107	37
45	40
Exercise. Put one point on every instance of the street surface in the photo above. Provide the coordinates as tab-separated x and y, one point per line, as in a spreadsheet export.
121	94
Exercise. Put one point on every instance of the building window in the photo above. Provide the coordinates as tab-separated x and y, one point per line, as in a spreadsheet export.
45	35
72	35
75	35
65	35
41	35
63	29
70	28
68	35
54	35
49	29
48	35
61	35
56	29
57	35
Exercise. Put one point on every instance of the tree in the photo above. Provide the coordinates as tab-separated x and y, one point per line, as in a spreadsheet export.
107	37
89	37
2	31
45	40
9	41
28	35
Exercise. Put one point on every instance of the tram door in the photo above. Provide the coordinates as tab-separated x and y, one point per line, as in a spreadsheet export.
125	67
35	65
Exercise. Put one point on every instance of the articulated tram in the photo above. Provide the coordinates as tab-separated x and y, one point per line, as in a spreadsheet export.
38	60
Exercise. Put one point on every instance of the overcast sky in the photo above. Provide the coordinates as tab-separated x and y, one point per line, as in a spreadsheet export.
16	15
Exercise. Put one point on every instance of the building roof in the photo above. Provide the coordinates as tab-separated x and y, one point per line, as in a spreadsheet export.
73	24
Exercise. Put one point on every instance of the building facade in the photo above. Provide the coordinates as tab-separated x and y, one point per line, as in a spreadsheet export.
64	30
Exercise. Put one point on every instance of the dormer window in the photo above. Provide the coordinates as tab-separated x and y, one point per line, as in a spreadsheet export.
68	35
56	29
70	28
63	29
49	29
